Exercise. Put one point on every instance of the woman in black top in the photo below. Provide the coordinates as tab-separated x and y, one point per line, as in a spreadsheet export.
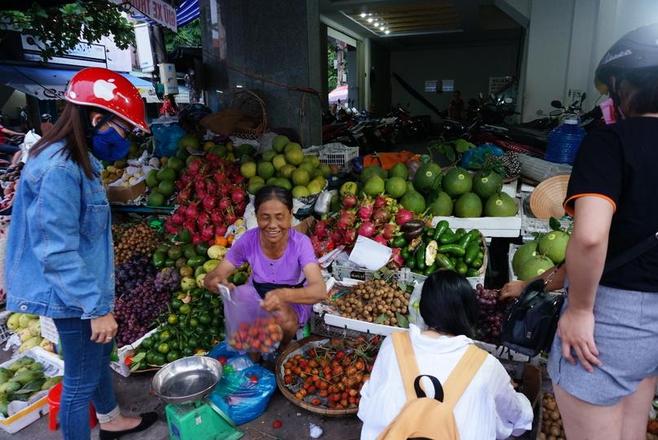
604	359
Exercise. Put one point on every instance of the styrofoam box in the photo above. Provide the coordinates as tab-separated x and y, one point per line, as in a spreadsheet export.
26	413
489	226
128	350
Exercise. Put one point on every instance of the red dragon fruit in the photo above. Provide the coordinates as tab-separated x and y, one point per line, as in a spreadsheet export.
367	229
390	229
403	216
349	201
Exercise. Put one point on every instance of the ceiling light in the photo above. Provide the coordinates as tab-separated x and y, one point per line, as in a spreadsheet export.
376	23
363	15
381	28
387	32
369	14
370	20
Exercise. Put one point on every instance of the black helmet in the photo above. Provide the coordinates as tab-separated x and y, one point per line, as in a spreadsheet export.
636	50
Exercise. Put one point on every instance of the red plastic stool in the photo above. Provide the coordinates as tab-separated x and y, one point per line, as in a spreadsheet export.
54	397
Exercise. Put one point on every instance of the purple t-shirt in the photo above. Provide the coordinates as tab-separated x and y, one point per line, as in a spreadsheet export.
286	270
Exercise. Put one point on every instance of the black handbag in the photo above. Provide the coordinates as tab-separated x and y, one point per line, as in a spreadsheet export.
532	319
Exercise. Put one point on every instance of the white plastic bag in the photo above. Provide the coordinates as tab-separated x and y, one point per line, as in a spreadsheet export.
414	307
31	138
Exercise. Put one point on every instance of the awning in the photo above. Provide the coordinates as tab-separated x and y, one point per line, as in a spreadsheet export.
185	13
44	83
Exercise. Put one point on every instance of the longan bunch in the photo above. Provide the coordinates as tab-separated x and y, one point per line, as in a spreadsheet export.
133	240
375	301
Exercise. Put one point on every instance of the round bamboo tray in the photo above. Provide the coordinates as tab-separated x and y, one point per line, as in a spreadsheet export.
298	347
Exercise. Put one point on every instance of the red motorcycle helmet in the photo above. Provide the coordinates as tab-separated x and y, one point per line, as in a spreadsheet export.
108	90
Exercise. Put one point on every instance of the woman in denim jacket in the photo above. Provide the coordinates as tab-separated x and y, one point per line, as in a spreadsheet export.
60	258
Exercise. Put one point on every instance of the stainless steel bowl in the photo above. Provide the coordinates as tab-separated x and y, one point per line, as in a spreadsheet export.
187	379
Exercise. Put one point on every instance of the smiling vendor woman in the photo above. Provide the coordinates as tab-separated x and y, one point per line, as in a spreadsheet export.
285	273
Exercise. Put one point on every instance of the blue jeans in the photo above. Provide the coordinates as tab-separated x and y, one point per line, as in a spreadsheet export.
87	378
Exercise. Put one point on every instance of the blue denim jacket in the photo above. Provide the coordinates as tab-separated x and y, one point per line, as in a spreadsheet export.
60	260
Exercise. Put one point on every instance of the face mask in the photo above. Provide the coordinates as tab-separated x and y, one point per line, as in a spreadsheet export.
108	145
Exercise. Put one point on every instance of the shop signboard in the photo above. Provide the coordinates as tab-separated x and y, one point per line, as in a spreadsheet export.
157	10
83	54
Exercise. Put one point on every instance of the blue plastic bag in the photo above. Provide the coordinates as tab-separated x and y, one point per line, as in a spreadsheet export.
245	389
165	138
475	158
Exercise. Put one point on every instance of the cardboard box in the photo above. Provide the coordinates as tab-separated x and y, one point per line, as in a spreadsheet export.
125	194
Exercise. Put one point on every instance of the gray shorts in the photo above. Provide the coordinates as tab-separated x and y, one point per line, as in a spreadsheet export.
626	335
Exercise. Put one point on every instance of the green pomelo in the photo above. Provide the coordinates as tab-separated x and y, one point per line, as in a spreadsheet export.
399	170
300	177
442	205
374	170
374	186
282	182
314	187
279	143
486	184
293	146
265	170
468	205
248	169
523	253
457	181
396	187
269	155
166	188
295	157
175	163
155	199
413	201
300	191
501	205
152	179
534	267
279	161
554	246
426	177
166	174
287	170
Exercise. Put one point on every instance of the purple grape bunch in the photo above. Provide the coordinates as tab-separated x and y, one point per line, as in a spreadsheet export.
139	300
492	314
167	280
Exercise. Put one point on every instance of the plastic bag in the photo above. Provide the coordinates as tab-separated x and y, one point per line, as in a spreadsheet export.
165	138
249	328
245	389
414	307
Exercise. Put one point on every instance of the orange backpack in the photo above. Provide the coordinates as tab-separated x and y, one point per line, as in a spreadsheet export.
425	417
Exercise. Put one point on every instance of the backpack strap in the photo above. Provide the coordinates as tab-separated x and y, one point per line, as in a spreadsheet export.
404	352
462	375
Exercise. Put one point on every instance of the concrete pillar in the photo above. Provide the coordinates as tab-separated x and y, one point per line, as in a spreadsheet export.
273	47
213	78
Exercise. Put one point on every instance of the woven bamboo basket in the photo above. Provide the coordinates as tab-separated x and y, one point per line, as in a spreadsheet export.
252	106
294	348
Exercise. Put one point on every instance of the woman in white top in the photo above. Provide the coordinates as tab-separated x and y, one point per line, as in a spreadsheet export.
489	407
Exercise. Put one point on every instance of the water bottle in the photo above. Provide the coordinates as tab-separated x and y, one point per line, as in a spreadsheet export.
564	141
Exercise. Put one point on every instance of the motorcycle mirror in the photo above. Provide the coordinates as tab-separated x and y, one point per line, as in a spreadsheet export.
556	104
508	100
583	96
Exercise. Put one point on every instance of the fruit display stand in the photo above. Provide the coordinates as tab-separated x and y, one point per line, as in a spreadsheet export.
508	227
26	413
